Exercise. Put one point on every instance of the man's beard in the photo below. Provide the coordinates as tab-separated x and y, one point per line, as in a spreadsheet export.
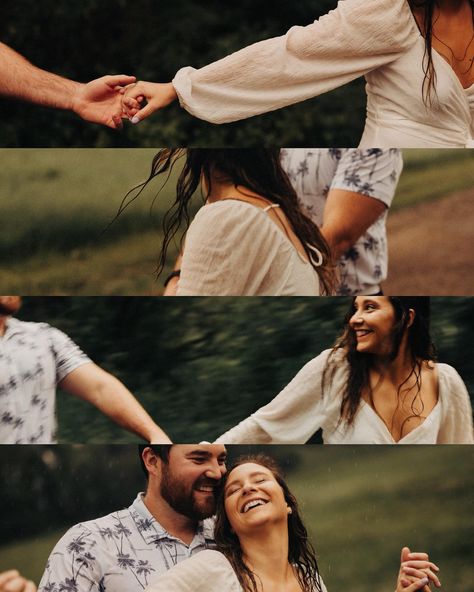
181	498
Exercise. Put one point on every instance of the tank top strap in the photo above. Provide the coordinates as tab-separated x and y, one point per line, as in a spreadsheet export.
270	207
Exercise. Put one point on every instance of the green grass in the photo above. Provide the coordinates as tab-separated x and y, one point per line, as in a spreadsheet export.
362	504
55	205
430	174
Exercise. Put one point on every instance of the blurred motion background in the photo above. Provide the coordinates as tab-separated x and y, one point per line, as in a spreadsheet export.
361	504
201	365
56	207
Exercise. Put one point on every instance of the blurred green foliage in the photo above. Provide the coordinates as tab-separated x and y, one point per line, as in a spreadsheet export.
152	41
201	365
361	504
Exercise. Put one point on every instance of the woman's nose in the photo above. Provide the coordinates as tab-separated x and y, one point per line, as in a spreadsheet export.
248	486
356	319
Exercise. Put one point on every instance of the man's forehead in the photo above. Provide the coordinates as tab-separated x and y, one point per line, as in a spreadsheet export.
199	450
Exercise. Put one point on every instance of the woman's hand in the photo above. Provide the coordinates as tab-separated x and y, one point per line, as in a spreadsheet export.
416	572
157	95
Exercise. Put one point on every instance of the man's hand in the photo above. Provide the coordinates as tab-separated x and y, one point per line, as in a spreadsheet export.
13	581
157	95
100	101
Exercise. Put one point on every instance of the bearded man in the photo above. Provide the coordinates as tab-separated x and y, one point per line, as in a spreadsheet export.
170	522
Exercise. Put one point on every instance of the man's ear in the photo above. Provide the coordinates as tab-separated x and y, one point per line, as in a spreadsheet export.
152	461
411	317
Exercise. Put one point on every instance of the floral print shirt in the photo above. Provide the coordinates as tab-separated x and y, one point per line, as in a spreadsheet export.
372	172
34	358
121	552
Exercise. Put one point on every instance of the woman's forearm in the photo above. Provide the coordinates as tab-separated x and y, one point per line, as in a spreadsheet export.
357	37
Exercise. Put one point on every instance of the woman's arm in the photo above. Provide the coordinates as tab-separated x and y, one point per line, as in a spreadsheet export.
355	38
457	423
294	415
417	572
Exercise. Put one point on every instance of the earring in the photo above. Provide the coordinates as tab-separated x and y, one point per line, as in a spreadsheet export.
290	511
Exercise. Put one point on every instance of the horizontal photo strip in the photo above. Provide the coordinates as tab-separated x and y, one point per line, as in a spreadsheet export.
200	518
362	370
237	222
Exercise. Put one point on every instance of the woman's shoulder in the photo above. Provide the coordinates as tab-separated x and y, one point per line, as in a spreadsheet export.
236	223
376	25
206	571
450	380
331	360
228	216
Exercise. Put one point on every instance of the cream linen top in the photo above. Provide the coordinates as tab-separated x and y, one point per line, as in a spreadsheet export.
233	248
302	408
378	39
208	571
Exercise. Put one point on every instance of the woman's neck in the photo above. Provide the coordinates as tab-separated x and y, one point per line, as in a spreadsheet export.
266	555
222	189
395	369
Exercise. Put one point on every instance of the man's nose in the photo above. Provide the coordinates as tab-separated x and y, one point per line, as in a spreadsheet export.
215	470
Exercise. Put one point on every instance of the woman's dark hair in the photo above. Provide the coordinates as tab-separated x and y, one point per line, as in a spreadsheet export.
301	553
426	29
256	169
419	344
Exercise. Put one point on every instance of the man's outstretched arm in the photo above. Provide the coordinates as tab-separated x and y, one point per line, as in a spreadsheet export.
90	383
98	101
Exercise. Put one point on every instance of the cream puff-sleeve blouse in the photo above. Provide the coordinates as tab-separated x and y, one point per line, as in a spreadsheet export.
234	248
302	408
378	39
207	571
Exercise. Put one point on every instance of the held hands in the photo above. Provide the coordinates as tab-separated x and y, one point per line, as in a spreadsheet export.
12	581
157	95
100	101
416	572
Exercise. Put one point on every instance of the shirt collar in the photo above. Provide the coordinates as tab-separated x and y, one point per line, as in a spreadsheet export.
151	530
12	326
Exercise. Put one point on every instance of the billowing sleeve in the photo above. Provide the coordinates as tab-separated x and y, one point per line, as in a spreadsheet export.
77	547
226	253
355	38
293	416
457	424
67	355
207	571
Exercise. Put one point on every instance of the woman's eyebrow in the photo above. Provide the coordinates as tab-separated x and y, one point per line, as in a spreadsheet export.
238	481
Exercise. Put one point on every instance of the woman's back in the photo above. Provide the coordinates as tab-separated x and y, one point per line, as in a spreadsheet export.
237	248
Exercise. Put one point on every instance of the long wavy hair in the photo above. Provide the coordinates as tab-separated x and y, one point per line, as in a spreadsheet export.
419	345
301	554
429	80
256	169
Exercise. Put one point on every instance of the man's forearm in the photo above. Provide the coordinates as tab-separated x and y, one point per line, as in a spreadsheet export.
22	80
337	243
118	403
96	386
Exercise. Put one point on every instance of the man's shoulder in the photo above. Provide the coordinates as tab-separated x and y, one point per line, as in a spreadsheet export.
106	528
30	327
